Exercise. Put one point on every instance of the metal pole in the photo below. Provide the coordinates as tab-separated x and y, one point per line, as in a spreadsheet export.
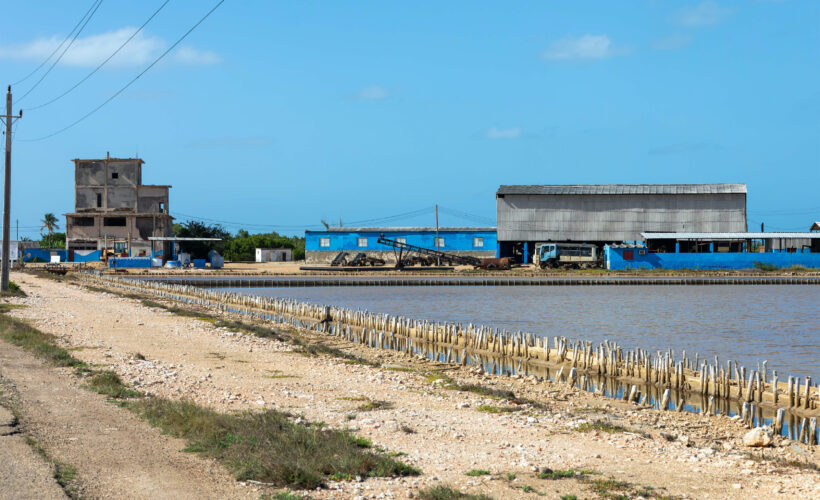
438	257
4	280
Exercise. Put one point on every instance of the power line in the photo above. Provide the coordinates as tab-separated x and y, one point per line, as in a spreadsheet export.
132	81
56	49
99	2
104	62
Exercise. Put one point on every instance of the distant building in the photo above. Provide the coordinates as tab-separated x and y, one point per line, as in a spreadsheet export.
274	255
115	211
612	213
322	246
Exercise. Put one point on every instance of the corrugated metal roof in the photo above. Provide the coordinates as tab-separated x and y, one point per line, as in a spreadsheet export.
415	229
624	189
729	236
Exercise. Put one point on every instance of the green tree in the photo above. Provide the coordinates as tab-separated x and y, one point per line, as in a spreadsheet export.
50	223
200	249
243	246
53	240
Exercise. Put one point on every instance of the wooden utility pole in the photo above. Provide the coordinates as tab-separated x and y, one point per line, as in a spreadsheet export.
8	120
438	257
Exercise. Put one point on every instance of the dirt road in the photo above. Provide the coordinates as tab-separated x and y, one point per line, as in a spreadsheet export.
444	432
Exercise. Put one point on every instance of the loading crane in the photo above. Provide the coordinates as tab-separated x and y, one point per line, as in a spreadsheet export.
401	247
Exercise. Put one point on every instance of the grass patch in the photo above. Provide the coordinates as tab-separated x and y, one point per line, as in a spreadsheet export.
618	490
352	398
13	291
63	473
763	266
530	489
477	472
782	462
487	391
375	405
267	446
564	474
110	384
601	426
510	476
444	492
569	497
497	409
33	340
407	429
281	375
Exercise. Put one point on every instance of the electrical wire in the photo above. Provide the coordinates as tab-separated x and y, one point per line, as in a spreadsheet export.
56	49
389	218
120	91
102	63
99	2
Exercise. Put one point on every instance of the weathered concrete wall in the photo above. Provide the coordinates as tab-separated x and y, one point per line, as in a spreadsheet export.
153	199
121	198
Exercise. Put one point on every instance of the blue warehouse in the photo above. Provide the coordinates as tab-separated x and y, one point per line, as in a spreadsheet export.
322	246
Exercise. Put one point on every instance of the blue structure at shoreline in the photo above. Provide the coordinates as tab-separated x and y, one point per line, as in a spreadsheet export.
322	246
716	251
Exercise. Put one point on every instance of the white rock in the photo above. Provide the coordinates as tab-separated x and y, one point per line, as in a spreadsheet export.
758	437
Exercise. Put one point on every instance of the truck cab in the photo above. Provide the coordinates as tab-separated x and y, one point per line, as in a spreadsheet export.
547	255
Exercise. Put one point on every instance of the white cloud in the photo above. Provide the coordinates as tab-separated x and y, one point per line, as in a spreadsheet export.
703	14
94	49
672	42
583	47
503	133
192	56
373	93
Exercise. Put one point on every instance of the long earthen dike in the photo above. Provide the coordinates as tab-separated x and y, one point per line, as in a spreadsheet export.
314	281
660	380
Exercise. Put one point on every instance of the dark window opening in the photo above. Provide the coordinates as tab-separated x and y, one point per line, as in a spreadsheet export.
114	221
161	206
115	175
99	200
84	221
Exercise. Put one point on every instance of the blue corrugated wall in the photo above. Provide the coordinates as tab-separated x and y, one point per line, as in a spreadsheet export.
349	241
616	261
41	255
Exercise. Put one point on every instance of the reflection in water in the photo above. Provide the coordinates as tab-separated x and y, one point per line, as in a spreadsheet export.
747	324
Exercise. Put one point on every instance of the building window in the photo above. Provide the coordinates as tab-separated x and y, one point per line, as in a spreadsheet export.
99	200
362	242
478	242
114	221
324	242
83	221
439	242
401	240
115	175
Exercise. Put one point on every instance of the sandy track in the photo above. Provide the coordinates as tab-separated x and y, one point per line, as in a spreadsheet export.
226	370
116	454
23	474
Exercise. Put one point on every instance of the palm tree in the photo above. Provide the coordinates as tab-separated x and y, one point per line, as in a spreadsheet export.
49	223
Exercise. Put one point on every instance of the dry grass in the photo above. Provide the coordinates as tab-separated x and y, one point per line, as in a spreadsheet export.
268	447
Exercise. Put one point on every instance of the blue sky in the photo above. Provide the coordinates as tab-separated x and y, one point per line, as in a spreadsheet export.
276	115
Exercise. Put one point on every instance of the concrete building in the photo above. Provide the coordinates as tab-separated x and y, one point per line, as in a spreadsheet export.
612	213
115	211
274	255
322	246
